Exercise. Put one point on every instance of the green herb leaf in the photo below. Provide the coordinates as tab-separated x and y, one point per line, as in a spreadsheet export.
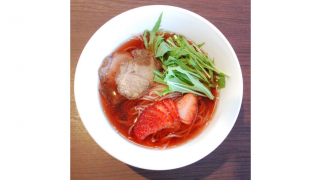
193	64
174	82
159	80
154	40
203	77
222	81
157	40
158	73
178	52
177	40
163	48
184	78
145	39
199	45
187	69
157	25
171	42
164	92
182	88
211	75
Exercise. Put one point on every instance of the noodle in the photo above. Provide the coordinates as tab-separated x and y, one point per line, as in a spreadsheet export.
173	96
189	128
162	138
129	132
124	114
165	146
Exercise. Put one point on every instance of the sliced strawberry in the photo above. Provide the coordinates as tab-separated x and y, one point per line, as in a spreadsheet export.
163	108
144	127
151	121
169	103
187	107
161	115
162	118
154	120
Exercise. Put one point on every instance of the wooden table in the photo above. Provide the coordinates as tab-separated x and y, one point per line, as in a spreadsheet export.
231	160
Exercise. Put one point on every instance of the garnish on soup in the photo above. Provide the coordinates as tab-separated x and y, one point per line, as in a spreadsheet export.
159	89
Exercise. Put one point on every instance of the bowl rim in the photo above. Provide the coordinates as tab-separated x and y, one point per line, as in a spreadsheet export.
203	20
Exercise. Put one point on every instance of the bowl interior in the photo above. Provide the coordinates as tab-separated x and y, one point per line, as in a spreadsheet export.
121	28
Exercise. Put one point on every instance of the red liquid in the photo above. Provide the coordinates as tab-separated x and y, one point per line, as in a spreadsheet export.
120	119
131	44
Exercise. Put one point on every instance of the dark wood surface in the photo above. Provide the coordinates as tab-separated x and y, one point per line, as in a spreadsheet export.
231	160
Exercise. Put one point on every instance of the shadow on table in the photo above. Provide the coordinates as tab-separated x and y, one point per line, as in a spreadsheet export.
200	169
239	152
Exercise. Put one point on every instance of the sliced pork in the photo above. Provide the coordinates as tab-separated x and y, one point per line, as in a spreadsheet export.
111	65
135	76
107	73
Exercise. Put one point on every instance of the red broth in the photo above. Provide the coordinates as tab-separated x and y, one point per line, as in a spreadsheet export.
121	121
131	44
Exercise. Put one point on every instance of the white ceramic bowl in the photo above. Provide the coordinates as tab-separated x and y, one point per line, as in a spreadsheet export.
115	32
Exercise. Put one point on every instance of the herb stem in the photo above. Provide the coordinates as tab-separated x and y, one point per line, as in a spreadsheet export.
158	73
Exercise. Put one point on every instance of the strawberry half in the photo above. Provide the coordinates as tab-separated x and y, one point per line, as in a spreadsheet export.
188	108
166	111
169	103
145	127
163	120
161	115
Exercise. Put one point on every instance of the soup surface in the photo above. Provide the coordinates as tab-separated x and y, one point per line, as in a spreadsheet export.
123	113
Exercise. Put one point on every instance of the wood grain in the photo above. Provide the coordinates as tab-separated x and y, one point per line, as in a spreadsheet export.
231	160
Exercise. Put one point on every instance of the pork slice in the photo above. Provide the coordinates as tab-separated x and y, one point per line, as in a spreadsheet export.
135	76
145	63
128	86
110	65
123	69
107	73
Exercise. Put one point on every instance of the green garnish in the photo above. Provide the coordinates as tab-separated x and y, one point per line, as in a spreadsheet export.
222	81
199	45
154	40
186	68
180	80
162	49
158	73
